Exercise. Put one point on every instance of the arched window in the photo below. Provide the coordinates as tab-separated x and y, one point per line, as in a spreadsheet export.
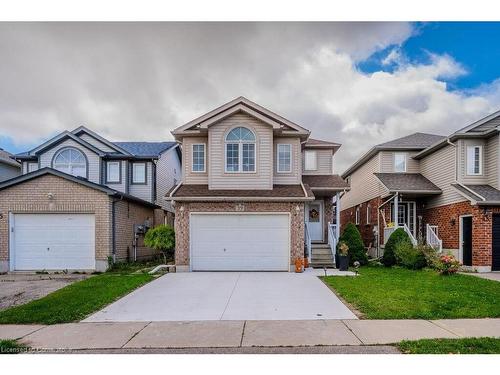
71	161
240	150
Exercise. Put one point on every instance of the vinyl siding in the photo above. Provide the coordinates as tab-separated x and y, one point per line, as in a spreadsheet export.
324	162
92	158
295	177
121	186
142	191
439	167
462	162
491	161
262	179
168	174
8	171
188	176
95	142
364	184
387	162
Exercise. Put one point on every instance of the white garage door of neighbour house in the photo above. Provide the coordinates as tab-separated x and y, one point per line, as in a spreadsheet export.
240	242
52	241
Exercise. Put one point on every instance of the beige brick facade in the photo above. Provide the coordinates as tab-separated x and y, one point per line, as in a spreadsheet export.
53	194
182	211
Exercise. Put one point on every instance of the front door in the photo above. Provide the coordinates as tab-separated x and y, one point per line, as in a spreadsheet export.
495	244
467	240
314	219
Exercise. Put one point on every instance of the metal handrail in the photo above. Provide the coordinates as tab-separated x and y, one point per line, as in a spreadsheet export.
432	238
332	239
308	242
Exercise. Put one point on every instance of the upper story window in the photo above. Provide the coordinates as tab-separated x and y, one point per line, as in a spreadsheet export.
71	161
284	158
198	164
311	160
399	162
113	174
474	160
240	150
139	173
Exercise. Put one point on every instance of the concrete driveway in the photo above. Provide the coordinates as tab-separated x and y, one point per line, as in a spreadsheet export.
227	296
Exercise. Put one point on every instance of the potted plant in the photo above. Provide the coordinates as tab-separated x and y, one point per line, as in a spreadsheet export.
343	256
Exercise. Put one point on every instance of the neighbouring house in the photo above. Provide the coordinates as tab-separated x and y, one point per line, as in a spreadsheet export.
257	193
9	167
83	201
446	194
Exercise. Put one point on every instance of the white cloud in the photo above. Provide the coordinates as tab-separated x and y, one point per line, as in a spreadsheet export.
139	81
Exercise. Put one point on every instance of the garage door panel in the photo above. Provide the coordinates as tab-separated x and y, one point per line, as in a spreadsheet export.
239	242
54	241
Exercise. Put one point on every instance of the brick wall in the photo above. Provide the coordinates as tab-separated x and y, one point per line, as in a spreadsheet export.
447	218
126	215
182	211
365	226
32	197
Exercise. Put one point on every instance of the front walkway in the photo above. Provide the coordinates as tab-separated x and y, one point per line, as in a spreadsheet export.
198	296
243	334
495	276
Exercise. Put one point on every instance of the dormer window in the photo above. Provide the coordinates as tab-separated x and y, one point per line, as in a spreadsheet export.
399	162
240	150
70	161
474	160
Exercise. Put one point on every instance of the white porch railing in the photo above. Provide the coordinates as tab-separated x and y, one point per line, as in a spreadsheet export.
387	233
332	239
432	238
410	234
389	230
308	243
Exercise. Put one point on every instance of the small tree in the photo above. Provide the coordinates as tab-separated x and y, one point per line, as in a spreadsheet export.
161	238
352	238
389	257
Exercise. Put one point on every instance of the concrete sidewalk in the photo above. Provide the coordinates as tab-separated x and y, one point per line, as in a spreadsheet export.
237	334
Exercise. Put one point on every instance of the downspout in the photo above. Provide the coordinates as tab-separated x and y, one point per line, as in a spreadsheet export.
113	230
456	158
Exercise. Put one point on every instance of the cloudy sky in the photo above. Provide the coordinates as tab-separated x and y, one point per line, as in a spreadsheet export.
355	83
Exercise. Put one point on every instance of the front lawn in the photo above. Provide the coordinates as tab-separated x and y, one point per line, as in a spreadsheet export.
482	345
78	300
398	293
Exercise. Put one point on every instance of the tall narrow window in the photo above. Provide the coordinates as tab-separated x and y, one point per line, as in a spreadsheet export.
474	160
198	158
240	150
113	172
310	162
399	162
357	215
284	158
139	173
368	214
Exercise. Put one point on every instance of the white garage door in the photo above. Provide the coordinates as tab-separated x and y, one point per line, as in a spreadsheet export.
240	242
53	241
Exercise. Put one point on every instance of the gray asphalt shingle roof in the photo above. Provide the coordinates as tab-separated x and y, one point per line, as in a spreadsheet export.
480	193
417	140
407	182
5	157
145	148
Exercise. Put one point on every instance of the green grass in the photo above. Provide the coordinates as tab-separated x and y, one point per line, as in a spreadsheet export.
397	293
78	300
12	347
482	345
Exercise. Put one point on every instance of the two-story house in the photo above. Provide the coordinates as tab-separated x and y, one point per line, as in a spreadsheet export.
442	190
256	192
83	201
9	167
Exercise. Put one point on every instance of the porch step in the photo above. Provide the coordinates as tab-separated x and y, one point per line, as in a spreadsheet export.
321	252
320	246
322	265
322	258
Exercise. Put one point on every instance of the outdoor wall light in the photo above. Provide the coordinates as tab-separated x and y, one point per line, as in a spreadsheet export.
50	196
452	222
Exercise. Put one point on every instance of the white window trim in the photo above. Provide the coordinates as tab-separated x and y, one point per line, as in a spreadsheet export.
278	158
240	144
108	164
368	214
406	161
357	216
204	157
480	160
315	160
134	182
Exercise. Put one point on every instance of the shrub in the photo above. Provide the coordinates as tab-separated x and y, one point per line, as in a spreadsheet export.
399	235
448	265
353	240
161	238
410	257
